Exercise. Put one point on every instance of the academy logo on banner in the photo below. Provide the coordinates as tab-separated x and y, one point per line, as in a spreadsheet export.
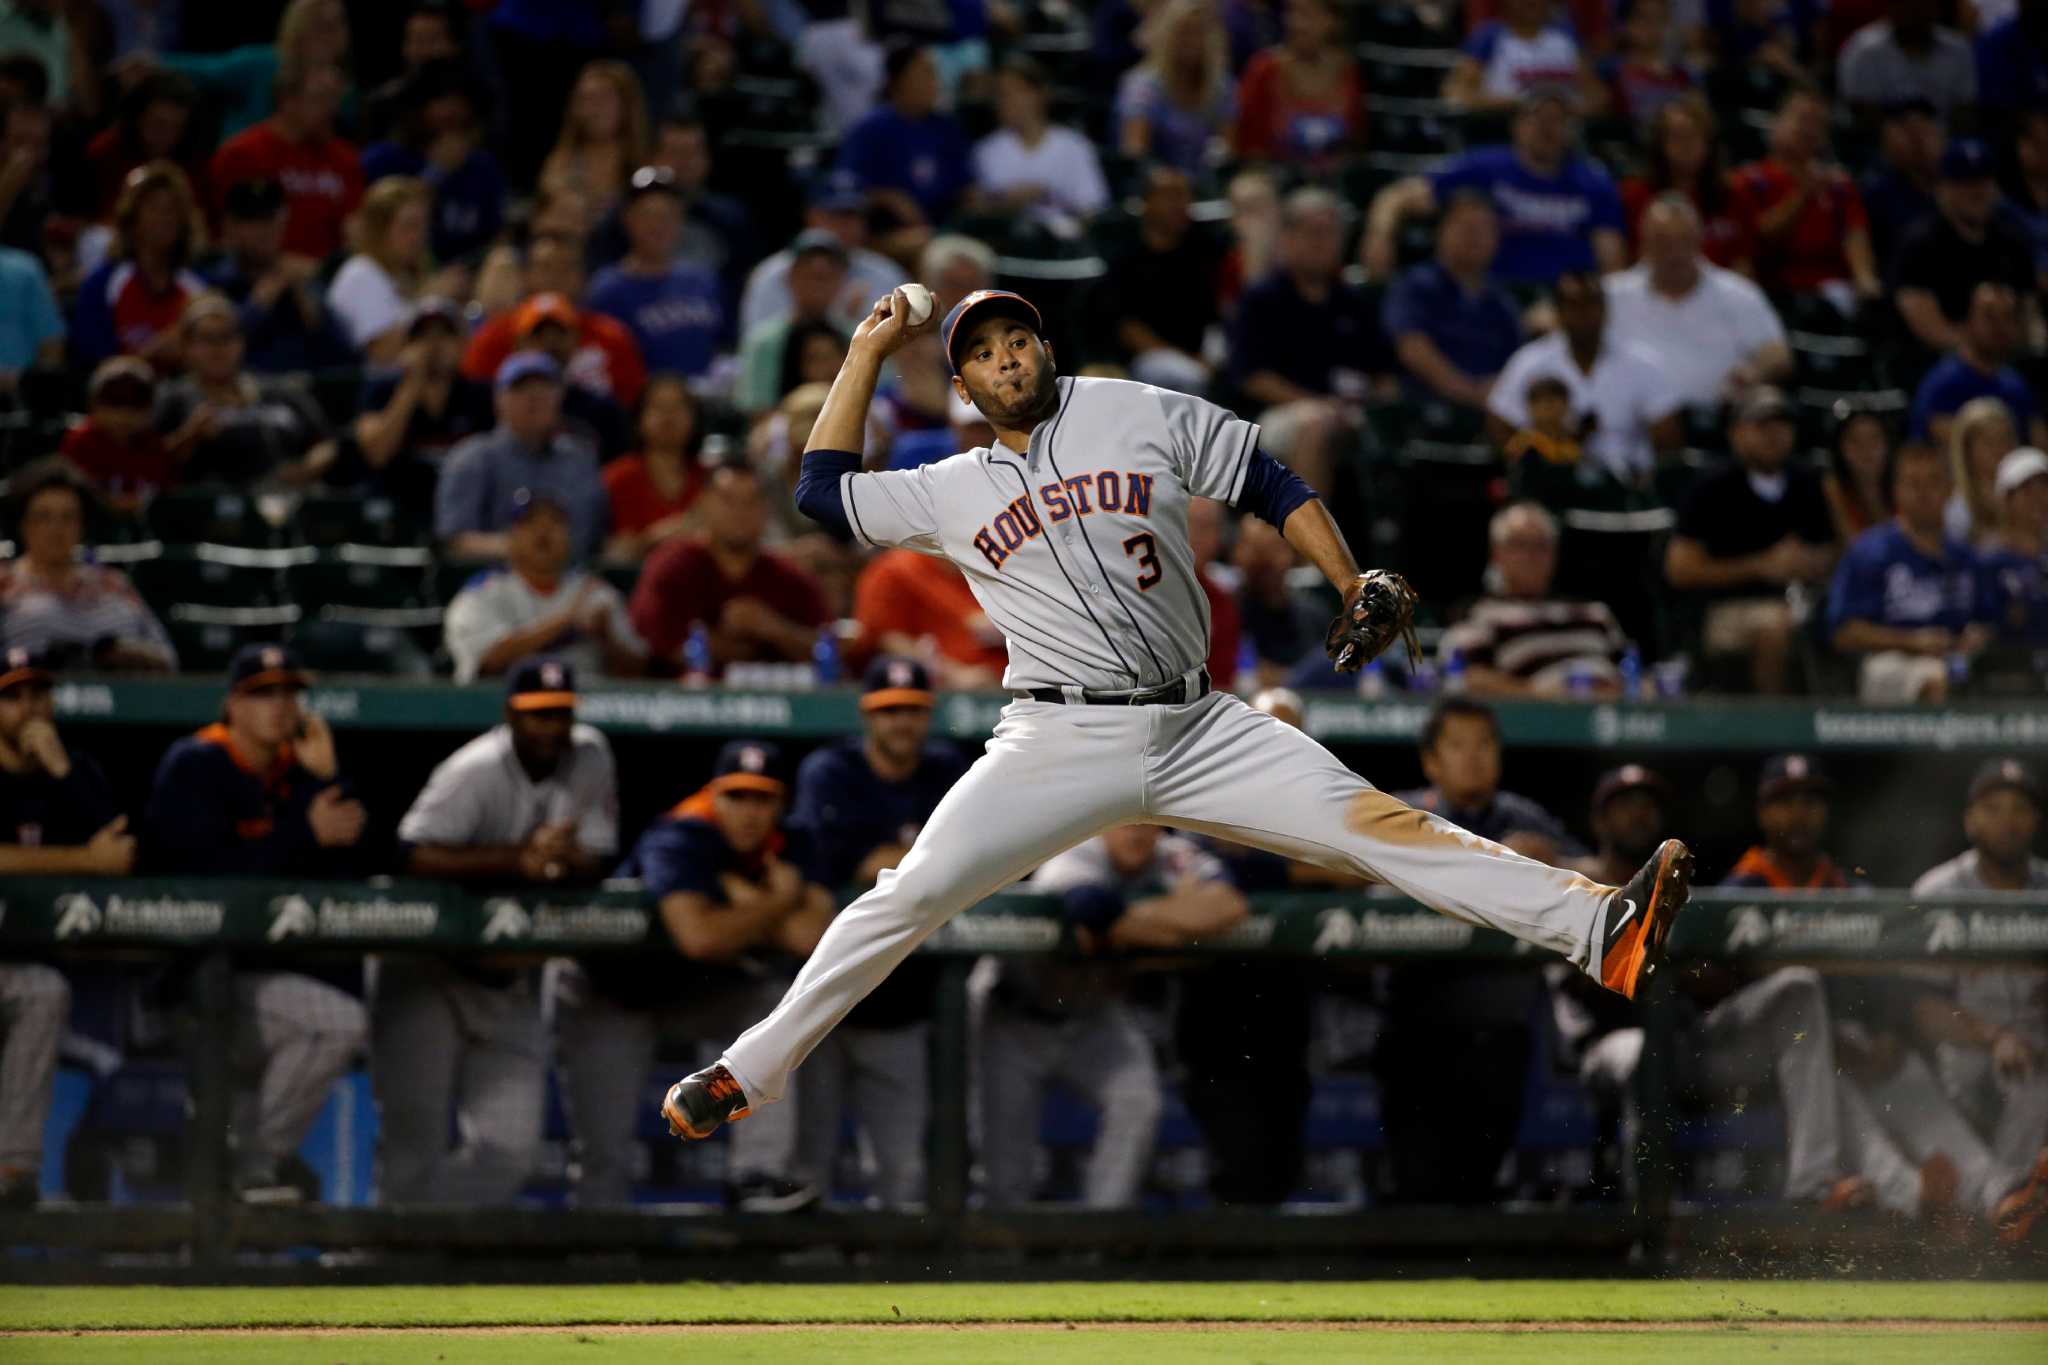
80	916
506	919
1751	927
1339	930
377	917
1951	931
565	924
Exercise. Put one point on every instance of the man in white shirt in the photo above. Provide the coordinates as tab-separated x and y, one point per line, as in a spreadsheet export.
1714	332
1622	399
1030	165
538	604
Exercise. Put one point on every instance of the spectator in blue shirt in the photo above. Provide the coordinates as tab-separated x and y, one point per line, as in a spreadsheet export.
286	327
489	479
1559	211
31	330
1977	368
914	160
439	140
2015	567
1453	330
1306	343
1906	597
1900	192
2026	189
2012	60
675	310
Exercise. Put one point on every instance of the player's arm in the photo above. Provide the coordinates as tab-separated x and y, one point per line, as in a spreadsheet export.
840	432
708	932
1196	910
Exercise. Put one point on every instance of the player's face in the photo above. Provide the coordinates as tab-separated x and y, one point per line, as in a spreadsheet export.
540	739
1464	763
746	818
1007	372
899	731
2002	825
268	715
1131	847
1794	823
1631	824
23	703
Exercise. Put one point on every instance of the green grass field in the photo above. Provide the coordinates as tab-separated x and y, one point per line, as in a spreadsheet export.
1584	1321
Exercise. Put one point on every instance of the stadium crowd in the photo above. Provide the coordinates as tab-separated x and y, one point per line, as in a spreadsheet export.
1664	346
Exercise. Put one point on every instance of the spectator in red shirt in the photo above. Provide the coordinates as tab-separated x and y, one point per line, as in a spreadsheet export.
1686	156
156	123
117	446
1811	232
297	147
132	303
755	605
653	491
1302	101
919	606
1207	525
606	359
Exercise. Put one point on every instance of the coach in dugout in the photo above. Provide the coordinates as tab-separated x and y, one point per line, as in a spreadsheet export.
258	794
57	818
731	904
859	804
530	802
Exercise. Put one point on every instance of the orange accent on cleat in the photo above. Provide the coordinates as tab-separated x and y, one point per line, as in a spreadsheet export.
1638	950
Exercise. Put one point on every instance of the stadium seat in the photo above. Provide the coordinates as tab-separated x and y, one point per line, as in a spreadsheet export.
1409	72
208	636
362	576
210	577
213	515
334	645
325	519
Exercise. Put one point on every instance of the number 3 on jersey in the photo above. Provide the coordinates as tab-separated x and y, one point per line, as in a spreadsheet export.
1143	547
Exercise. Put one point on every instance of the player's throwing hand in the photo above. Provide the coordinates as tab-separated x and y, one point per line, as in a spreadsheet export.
887	327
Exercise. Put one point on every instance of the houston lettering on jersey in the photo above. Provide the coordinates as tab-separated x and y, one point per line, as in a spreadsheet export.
1106	490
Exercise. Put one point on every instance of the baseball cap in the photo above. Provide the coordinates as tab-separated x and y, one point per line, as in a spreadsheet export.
265	665
527	500
437	308
653	180
895	682
748	765
1785	773
2018	466
1996	775
124	378
813	241
838	191
523	365
1548	92
1967	158
249	201
545	308
991	301
541	684
21	664
1629	777
1764	403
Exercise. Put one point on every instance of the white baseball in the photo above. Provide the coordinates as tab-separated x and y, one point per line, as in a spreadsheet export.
917	303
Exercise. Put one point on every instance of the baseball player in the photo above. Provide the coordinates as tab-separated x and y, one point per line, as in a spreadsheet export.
859	804
1072	530
258	795
533	801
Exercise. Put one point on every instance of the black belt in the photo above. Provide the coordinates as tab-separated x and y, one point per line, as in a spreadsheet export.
1175	693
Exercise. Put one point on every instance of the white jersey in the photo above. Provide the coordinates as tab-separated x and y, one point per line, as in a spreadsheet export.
1078	548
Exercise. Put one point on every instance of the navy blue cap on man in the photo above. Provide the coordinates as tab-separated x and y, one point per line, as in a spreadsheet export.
524	365
20	664
748	765
265	665
541	685
1787	773
1629	777
1967	158
2000	774
996	301
838	191
892	681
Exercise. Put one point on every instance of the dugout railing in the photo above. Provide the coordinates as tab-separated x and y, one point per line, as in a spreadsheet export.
210	924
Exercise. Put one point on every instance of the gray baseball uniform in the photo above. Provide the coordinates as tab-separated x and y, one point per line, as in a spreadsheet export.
1078	550
35	1005
471	1039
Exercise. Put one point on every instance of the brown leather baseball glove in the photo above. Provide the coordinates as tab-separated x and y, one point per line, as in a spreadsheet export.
1379	609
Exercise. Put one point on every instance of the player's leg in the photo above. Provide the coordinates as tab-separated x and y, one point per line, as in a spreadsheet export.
309	1034
604	1054
1110	1061
1925	1124
1016	1057
415	1050
35	1003
1218	767
1895	1182
891	1090
821	1117
501	1090
1777	1028
1052	776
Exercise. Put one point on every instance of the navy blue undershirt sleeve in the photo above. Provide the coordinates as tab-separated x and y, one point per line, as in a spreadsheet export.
817	489
1271	490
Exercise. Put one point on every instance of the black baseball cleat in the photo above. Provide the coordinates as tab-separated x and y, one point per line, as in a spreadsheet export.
1639	918
697	1104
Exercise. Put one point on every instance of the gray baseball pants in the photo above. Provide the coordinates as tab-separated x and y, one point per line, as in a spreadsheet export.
606	1052
1103	1055
442	1041
884	1074
295	1036
35	1005
1054	775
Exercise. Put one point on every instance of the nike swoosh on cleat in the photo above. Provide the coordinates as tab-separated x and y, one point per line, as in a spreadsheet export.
1624	919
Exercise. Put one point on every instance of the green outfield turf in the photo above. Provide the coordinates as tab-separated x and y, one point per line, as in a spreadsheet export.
1588	1322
